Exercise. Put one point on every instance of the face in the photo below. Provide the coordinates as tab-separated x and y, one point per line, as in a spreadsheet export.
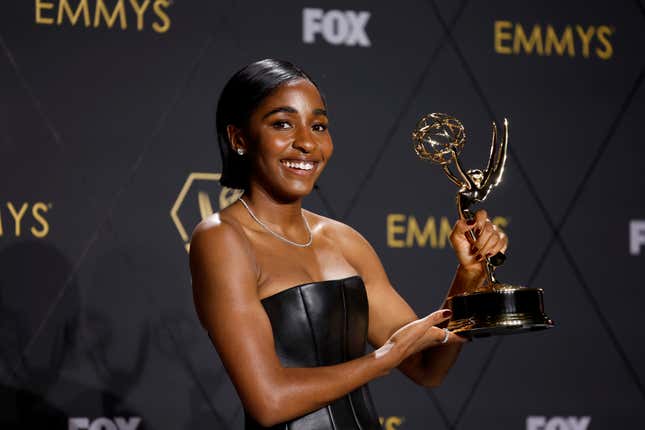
288	141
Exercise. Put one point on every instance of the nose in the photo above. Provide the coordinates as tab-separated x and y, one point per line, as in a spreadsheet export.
304	140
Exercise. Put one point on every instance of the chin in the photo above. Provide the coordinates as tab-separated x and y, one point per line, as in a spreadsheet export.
295	193
289	190
286	188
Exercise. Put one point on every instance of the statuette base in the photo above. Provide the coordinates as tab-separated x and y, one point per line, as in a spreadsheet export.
505	309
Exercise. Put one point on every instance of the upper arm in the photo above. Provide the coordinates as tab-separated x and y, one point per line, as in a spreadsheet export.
388	311
224	281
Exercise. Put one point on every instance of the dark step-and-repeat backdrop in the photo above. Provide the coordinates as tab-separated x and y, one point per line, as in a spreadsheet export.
108	159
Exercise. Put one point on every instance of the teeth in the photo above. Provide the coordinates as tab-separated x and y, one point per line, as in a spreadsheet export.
301	165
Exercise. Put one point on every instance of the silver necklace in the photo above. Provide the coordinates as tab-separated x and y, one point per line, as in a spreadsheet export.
301	245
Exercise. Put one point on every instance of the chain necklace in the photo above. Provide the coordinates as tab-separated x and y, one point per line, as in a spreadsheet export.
301	245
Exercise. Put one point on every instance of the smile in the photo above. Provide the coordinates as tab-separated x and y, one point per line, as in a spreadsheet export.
301	165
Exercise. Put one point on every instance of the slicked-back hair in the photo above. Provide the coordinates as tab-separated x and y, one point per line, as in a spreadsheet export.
241	95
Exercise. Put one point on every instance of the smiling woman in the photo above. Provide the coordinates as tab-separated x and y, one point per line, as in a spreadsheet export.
245	95
290	298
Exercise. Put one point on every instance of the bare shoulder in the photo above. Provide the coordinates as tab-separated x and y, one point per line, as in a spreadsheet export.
215	230
216	241
352	244
335	230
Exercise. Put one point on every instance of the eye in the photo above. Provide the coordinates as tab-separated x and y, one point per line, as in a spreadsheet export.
281	125
320	127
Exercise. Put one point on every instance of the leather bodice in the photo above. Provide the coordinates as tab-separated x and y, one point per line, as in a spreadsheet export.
319	324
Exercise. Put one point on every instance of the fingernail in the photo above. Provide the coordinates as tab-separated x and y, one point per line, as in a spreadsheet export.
446	313
470	221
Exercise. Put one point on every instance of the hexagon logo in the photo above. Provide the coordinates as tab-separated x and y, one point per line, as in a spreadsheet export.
194	202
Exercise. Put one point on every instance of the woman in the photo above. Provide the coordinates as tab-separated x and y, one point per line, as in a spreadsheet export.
290	297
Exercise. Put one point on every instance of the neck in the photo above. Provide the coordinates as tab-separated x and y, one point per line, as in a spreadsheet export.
270	210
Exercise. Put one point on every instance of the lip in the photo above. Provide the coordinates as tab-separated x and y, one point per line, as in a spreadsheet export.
285	163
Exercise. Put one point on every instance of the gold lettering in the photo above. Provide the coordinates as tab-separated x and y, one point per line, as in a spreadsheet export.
40	6
393	423
528	44
434	234
162	15
65	8
36	212
393	228
421	238
501	35
139	10
552	41
444	231
500	221
608	51
17	216
585	37
1	232
101	11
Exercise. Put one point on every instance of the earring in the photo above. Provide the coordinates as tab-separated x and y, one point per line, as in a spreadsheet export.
240	151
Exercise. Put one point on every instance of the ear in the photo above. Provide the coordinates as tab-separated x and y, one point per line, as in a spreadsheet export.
236	138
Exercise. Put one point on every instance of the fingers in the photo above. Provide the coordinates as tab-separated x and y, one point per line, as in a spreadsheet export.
481	217
477	222
461	227
485	234
437	317
433	335
423	325
487	240
490	240
500	245
445	337
436	336
441	336
418	328
419	335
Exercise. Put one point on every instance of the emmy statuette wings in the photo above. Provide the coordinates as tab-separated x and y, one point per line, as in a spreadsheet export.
497	308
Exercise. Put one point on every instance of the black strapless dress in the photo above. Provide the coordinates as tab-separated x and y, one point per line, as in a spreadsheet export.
320	324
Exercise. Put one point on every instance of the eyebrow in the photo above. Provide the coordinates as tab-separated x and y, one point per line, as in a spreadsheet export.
289	109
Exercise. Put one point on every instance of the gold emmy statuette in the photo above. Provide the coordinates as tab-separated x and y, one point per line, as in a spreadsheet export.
497	308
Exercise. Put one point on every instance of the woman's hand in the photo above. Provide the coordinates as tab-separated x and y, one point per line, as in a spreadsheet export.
415	337
490	241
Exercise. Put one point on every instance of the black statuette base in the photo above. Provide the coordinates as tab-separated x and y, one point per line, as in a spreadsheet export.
505	310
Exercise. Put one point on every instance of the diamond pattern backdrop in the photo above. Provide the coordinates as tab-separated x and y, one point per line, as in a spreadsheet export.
103	121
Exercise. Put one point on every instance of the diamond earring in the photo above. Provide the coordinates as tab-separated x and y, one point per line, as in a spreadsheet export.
240	151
